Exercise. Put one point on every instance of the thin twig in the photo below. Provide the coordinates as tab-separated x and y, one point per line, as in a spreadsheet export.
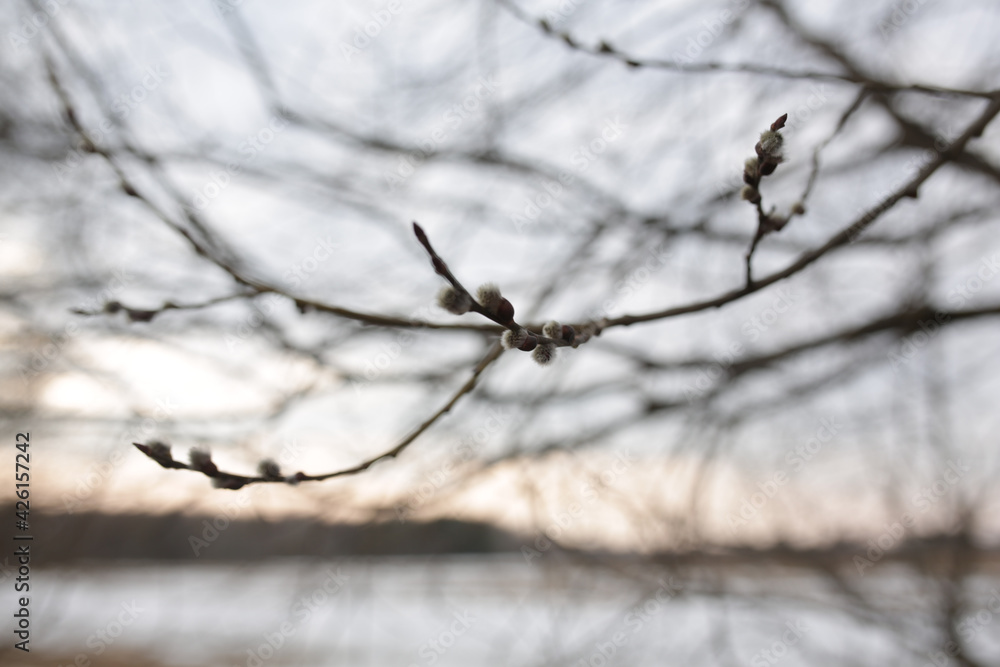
604	49
580	336
202	462
845	236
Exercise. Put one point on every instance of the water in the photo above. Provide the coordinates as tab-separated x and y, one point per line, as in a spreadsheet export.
483	610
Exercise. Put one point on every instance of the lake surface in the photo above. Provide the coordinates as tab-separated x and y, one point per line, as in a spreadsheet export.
488	610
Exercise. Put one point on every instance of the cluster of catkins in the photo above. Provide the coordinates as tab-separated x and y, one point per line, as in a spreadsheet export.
768	157
543	349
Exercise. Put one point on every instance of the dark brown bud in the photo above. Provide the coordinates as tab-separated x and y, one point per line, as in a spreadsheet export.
505	311
202	460
135	315
230	482
418	231
269	469
568	333
767	168
529	343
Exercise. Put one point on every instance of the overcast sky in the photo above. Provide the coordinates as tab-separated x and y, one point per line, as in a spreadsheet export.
308	136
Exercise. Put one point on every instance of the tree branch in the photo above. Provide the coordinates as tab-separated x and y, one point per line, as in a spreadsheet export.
269	472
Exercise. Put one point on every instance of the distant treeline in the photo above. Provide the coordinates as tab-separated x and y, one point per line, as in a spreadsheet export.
60	538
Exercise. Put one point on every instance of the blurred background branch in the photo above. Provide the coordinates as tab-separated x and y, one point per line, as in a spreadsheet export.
206	241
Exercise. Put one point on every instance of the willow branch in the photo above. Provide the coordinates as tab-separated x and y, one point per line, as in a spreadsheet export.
606	50
845	236
268	470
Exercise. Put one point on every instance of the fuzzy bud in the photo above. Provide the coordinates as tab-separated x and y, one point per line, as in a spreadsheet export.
750	194
453	301
770	143
269	469
505	311
159	452
513	340
489	297
544	354
202	460
750	170
552	330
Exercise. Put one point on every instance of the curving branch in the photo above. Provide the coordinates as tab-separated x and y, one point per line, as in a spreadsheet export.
604	49
845	236
269	472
